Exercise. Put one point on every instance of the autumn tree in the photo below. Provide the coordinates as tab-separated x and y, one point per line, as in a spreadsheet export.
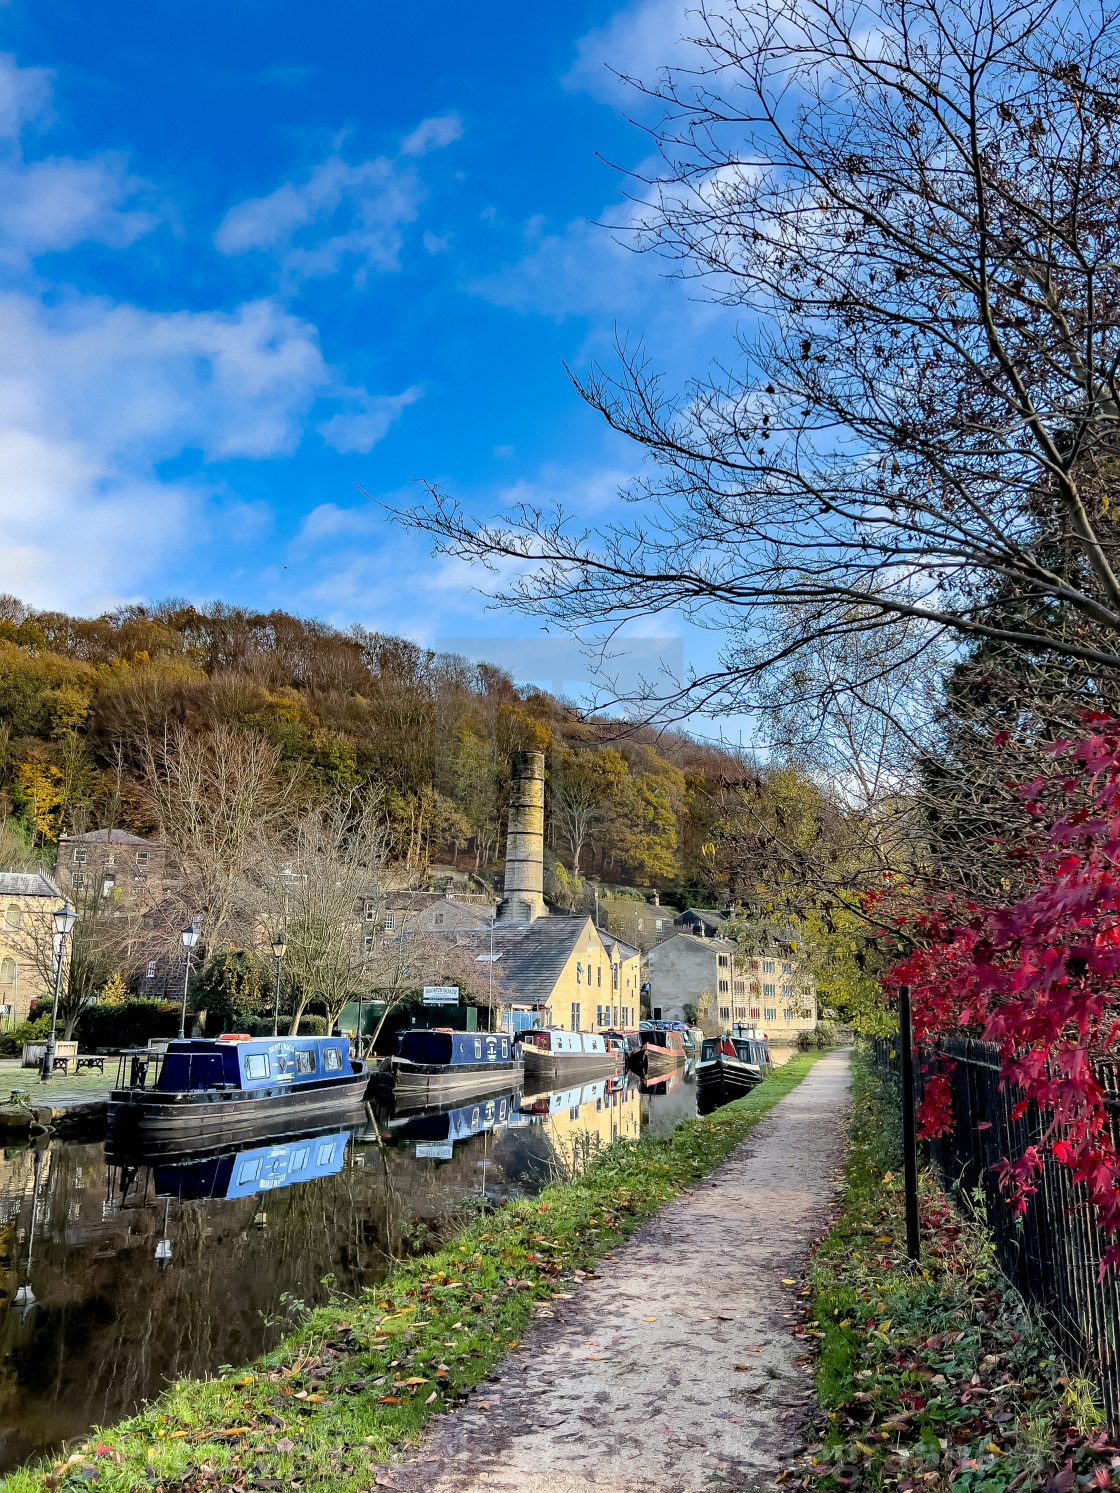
917	207
584	785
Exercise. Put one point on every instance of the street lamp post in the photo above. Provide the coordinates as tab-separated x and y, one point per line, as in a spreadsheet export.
64	920
190	937
279	949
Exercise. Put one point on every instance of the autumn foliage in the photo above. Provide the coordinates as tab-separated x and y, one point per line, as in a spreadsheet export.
1041	977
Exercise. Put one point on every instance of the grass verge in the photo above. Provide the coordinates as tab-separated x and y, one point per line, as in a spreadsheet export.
935	1376
351	1387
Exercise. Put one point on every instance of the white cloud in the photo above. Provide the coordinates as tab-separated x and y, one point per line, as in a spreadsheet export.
25	93
93	397
340	212
637	42
362	428
57	203
432	134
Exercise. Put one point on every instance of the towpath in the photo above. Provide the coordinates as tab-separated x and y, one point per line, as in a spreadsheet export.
633	1383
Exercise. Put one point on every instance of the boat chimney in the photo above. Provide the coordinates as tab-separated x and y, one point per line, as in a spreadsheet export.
523	899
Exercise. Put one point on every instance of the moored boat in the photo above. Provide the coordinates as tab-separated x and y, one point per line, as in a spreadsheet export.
201	1094
457	1123
436	1068
555	1056
661	1051
735	1063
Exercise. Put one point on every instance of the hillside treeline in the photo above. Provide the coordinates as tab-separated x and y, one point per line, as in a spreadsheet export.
86	702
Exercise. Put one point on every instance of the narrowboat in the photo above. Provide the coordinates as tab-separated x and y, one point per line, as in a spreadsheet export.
433	1068
623	1043
555	1056
661	1051
734	1062
201	1094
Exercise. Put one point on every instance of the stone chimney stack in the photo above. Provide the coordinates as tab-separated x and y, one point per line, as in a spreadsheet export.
523	900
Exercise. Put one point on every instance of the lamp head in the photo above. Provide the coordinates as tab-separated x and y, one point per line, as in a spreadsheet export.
189	936
64	918
279	947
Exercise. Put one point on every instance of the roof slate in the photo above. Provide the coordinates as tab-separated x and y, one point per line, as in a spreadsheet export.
27	884
110	836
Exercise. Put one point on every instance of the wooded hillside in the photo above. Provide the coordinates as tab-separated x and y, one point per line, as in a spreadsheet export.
84	702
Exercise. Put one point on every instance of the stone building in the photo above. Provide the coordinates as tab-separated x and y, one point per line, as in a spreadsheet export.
27	900
112	863
695	977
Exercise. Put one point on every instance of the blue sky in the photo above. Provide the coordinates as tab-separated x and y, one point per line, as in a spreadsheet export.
254	256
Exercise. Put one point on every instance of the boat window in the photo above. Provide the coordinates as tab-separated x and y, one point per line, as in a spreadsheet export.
256	1065
505	1048
325	1153
478	1049
305	1060
299	1159
332	1059
474	1118
250	1170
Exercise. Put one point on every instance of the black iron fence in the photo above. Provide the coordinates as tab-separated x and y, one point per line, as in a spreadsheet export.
1052	1251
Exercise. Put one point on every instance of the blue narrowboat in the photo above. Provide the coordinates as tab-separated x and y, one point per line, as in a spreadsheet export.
434	1067
262	1169
201	1094
459	1123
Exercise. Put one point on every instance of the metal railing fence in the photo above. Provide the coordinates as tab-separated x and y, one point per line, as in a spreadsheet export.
1052	1251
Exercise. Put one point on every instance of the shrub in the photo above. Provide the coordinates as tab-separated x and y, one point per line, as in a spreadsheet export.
129	1024
11	1043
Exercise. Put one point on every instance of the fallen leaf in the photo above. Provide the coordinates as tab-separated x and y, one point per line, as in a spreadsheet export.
416	1380
285	1444
594	1359
241	1383
743	1368
649	1319
788	1281
430	1398
170	1438
389	1400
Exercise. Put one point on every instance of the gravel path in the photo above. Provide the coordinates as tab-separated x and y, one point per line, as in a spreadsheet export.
634	1381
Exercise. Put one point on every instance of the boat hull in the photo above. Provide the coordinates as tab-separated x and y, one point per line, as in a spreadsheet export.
730	1073
563	1068
649	1061
435	1085
155	1123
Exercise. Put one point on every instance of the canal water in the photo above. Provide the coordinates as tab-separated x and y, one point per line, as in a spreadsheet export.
116	1280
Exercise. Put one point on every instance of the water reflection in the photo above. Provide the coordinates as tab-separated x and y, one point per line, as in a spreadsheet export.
117	1276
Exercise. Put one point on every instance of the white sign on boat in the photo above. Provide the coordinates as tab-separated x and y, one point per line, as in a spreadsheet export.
438	1150
441	995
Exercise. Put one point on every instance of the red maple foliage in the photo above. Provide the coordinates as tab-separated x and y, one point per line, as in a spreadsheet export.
1041	978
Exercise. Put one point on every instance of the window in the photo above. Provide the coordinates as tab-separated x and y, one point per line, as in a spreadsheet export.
250	1170
79	879
769	989
371	912
614	976
332	1060
79	857
369	943
505	1048
325	1154
787	992
575	1016
769	1013
139	874
579	972
754	966
659	925
438	919
723	961
723	987
107	886
626	1015
754	1013
141	857
768	966
257	1065
299	1159
724	1012
787	968
12	916
388	921
478	1049
598	1015
787	1014
151	969
7	971
305	1060
599	976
